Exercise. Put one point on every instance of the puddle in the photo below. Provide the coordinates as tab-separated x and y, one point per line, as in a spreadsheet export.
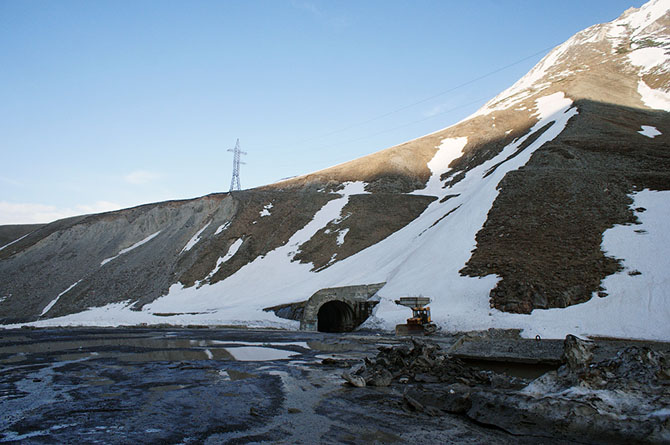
81	355
177	355
330	347
259	354
99	381
165	388
14	359
93	343
301	344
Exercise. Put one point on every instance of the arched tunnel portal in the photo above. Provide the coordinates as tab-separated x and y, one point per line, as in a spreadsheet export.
337	309
335	316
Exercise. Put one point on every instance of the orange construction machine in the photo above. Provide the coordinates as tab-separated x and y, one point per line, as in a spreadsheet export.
420	323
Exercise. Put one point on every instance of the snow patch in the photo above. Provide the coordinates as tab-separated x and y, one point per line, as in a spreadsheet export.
51	304
647	14
222	227
232	250
266	210
15	241
194	239
647	58
657	99
340	236
449	149
649	131
134	246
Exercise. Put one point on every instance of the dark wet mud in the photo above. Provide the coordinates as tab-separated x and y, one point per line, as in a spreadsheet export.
206	386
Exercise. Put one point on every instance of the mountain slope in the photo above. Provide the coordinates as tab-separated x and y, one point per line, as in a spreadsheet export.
528	214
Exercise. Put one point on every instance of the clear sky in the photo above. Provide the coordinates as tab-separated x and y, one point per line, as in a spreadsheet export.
109	104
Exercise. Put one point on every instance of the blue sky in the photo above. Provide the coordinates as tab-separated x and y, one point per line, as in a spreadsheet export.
109	104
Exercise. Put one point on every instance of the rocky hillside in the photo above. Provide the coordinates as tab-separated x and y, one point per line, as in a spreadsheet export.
541	211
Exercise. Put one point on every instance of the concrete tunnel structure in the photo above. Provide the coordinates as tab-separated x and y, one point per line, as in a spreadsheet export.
339	309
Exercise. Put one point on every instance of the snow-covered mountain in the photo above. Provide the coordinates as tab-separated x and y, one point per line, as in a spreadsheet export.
543	211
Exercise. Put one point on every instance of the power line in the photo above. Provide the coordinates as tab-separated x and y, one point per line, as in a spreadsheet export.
404	125
441	93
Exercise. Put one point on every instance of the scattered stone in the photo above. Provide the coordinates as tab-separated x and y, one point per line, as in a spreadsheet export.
414	404
380	378
577	353
422	362
622	399
354	380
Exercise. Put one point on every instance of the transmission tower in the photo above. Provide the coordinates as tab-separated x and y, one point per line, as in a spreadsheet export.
235	182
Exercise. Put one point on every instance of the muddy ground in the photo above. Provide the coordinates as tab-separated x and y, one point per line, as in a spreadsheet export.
186	386
150	385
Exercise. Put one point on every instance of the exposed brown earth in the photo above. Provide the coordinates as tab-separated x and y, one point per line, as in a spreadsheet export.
367	219
544	232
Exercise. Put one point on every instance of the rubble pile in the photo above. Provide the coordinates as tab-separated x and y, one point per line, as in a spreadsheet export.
422	362
622	399
634	368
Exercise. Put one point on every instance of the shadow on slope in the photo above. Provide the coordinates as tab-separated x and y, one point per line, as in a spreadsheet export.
544	231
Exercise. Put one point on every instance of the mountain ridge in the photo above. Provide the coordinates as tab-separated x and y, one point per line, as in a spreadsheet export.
502	218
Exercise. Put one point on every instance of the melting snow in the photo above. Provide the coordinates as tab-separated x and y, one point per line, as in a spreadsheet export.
656	99
644	16
222	227
647	58
448	150
15	241
134	246
649	131
232	250
194	239
340	236
51	304
266	210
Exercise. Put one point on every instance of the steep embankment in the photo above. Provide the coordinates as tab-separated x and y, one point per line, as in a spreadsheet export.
542	211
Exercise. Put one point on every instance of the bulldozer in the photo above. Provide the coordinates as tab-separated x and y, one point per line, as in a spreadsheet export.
420	322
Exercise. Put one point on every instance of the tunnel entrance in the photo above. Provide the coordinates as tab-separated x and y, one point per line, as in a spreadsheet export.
335	316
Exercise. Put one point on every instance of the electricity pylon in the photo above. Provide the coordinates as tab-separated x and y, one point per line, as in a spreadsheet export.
235	182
